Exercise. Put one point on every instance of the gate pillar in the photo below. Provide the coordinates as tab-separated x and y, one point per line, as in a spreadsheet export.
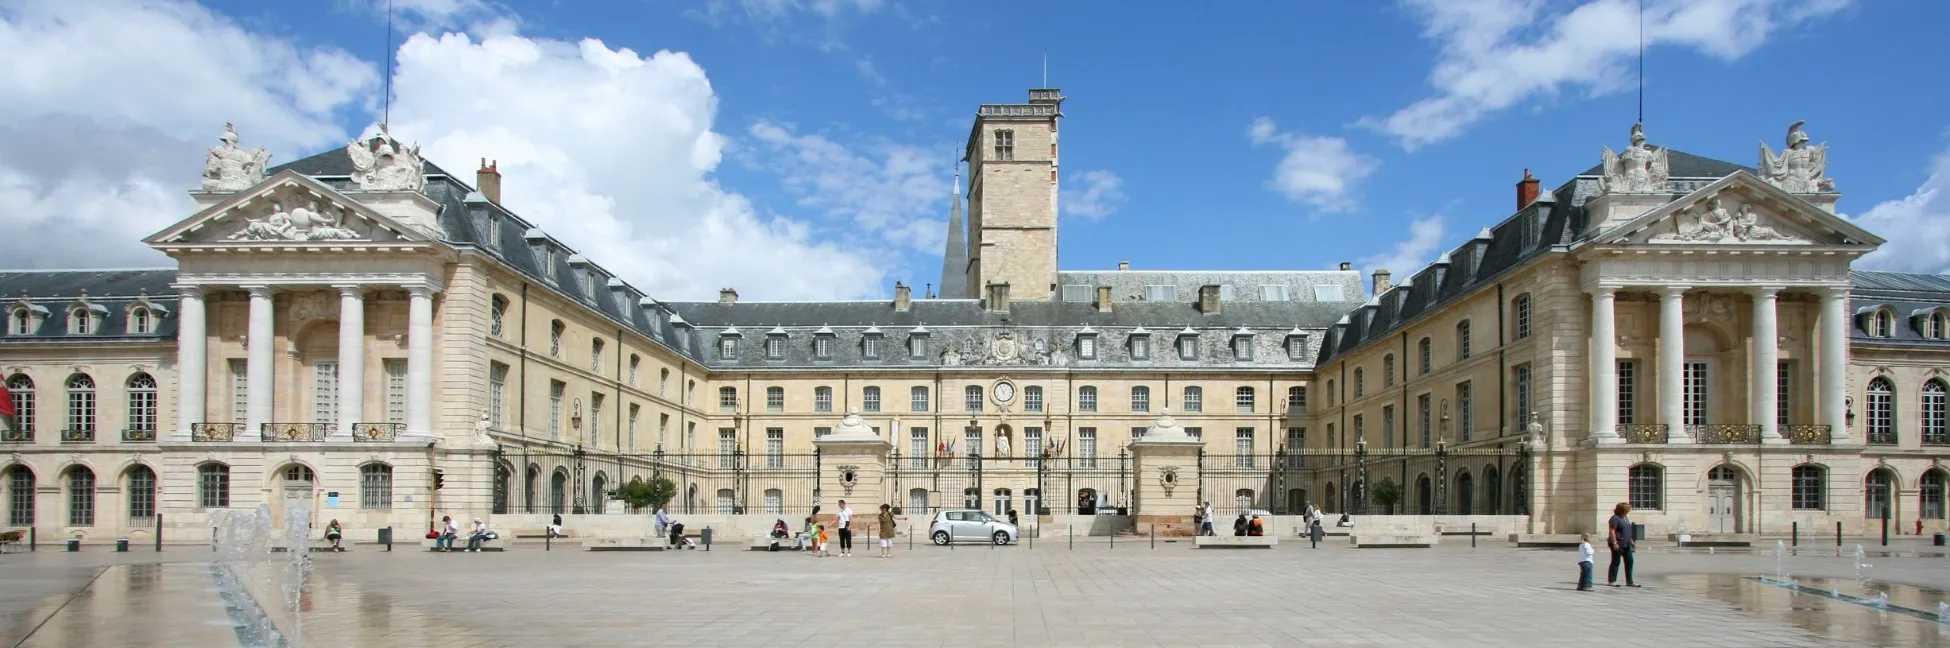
1165	465
852	467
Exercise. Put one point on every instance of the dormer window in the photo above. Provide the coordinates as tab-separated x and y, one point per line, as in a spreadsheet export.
917	343
1188	344
83	320
870	343
1140	344
1242	345
1296	346
1883	324
823	344
141	321
728	344
1937	327
1087	343
21	321
548	262
775	344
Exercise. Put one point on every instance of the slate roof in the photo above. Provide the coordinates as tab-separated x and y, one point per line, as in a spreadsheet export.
1912	297
111	292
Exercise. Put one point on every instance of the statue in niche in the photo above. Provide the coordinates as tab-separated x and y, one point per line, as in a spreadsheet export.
1640	168
383	165
1799	168
229	168
1002	445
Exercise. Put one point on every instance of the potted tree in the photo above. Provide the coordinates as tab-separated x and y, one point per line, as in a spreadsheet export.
1387	494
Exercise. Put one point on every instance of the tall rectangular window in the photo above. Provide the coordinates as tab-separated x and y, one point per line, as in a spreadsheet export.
555	390
1696	385
663	430
1032	399
1521	377
775	399
240	392
325	391
1296	446
1523	316
869	399
497	394
972	398
1032	445
634	411
823	399
1422	419
971	446
1194	399
1086	399
727	400
1628	391
1242	400
1140	399
1783	391
918	449
1086	447
1360	427
1242	448
1388	426
1465	412
917	399
774	447
870	347
727	447
395	391
595	419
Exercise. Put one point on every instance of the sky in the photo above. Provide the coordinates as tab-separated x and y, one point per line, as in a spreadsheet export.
805	149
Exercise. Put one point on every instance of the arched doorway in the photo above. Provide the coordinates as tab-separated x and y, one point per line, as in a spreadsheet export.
1424	495
1465	494
1878	495
1493	497
690	498
1330	503
1723	499
558	492
503	475
599	492
1086	501
295	483
1296	501
1032	500
530	482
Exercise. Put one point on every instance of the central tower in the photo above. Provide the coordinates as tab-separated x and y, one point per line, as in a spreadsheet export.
1012	197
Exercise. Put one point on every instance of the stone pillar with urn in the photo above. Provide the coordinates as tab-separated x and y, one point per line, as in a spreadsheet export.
852	467
1165	464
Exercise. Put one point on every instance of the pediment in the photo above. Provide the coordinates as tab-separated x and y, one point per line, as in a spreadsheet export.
285	210
1739	210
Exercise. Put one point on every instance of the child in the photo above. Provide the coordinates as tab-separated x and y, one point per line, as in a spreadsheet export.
1584	562
819	539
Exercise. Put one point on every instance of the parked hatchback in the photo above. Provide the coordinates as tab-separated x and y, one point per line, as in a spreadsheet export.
970	525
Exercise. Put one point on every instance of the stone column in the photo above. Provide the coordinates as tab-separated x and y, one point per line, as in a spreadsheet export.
352	359
1832	383
192	362
1672	359
1766	360
1604	365
419	362
258	343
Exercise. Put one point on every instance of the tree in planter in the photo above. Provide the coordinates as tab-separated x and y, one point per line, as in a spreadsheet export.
640	494
1387	494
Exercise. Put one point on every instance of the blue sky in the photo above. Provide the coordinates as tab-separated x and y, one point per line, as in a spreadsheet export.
803	148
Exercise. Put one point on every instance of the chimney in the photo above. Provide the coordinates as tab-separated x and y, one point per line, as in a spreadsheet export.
1526	190
1381	284
1123	266
903	297
998	297
1103	299
1208	299
488	180
1347	265
728	296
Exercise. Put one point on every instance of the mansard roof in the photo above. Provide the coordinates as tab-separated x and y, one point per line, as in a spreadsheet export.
1910	297
111	292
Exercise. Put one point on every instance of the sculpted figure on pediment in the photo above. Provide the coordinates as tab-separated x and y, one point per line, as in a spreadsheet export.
1640	168
383	165
1714	223
1799	168
306	223
229	168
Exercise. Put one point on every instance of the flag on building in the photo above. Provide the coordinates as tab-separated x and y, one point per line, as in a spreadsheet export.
6	408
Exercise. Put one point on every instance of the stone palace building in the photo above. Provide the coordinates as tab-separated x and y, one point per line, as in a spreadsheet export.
367	332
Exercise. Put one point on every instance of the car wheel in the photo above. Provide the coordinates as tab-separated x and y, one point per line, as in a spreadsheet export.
941	538
1002	537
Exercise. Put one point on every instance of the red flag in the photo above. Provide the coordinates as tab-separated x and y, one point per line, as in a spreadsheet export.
6	407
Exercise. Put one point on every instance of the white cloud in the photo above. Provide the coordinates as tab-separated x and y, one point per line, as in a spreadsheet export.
778	20
1409	256
109	105
1496	54
1917	227
898	193
612	152
1317	170
1091	195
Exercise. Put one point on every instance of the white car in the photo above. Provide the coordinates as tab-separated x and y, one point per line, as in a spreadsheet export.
970	525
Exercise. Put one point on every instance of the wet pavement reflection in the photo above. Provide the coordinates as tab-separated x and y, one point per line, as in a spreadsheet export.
1831	618
138	605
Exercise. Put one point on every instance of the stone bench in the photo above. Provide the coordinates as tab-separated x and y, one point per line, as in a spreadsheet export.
1464	530
764	543
1545	540
1711	540
316	544
628	544
1392	540
542	533
460	544
1235	542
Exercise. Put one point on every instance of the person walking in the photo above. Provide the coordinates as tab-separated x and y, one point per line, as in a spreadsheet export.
845	522
1618	538
1207	519
888	524
1584	562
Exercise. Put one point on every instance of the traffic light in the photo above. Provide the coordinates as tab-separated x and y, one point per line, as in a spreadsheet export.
439	480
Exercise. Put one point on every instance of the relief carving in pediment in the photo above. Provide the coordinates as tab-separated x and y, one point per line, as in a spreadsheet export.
1726	218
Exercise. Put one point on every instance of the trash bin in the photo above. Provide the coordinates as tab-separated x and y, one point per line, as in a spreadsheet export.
1638	532
122	545
704	537
74	544
386	536
1937	540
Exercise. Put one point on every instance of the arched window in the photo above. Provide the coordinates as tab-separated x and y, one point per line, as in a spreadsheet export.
1426	351
1242	500
555	329
774	501
1884	323
1194	399
1086	399
1493	491
1881	412
1243	400
22	388
1646	487
822	399
1140	399
497	309
375	486
142	321
1521	308
529	482
1936	418
81	321
1360	382
1424	495
1929	494
213	486
1462	340
1809	486
558	492
727	501
774	399
142	493
81	409
20	496
870	400
81	496
142	408
635	361
20	321
1877	491
1939	326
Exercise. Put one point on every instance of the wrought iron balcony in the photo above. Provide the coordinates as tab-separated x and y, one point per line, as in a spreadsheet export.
377	432
1936	438
139	434
1643	432
74	435
1805	434
1887	437
1724	433
16	436
215	431
294	432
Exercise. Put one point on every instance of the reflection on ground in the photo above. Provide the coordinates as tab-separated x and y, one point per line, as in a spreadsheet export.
1828	617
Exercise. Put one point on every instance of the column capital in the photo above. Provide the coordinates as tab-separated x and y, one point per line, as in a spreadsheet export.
420	290
257	290
1765	291
350	290
1674	291
188	290
1607	291
1832	292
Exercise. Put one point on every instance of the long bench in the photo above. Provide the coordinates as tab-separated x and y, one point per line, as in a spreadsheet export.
1235	542
542	533
460	544
1712	540
764	543
628	544
1545	540
316	544
1393	540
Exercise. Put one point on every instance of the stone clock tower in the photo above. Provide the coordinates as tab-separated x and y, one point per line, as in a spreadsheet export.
1012	188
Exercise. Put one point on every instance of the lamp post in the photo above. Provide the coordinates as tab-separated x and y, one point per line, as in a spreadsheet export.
1442	463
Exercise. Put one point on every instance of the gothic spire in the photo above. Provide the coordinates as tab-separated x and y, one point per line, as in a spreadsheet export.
954	260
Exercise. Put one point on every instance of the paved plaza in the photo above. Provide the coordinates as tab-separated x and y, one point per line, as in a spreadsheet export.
1051	595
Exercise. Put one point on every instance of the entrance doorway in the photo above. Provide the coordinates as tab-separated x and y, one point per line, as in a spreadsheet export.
1723	500
295	487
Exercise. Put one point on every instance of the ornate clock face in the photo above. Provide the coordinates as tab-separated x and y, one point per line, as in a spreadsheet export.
1004	392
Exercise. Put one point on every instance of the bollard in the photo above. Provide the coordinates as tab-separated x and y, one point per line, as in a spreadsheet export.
1838	534
1472	535
1796	541
1154	536
213	539
33	540
158	532
1073	536
1885	531
548	541
1113	539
